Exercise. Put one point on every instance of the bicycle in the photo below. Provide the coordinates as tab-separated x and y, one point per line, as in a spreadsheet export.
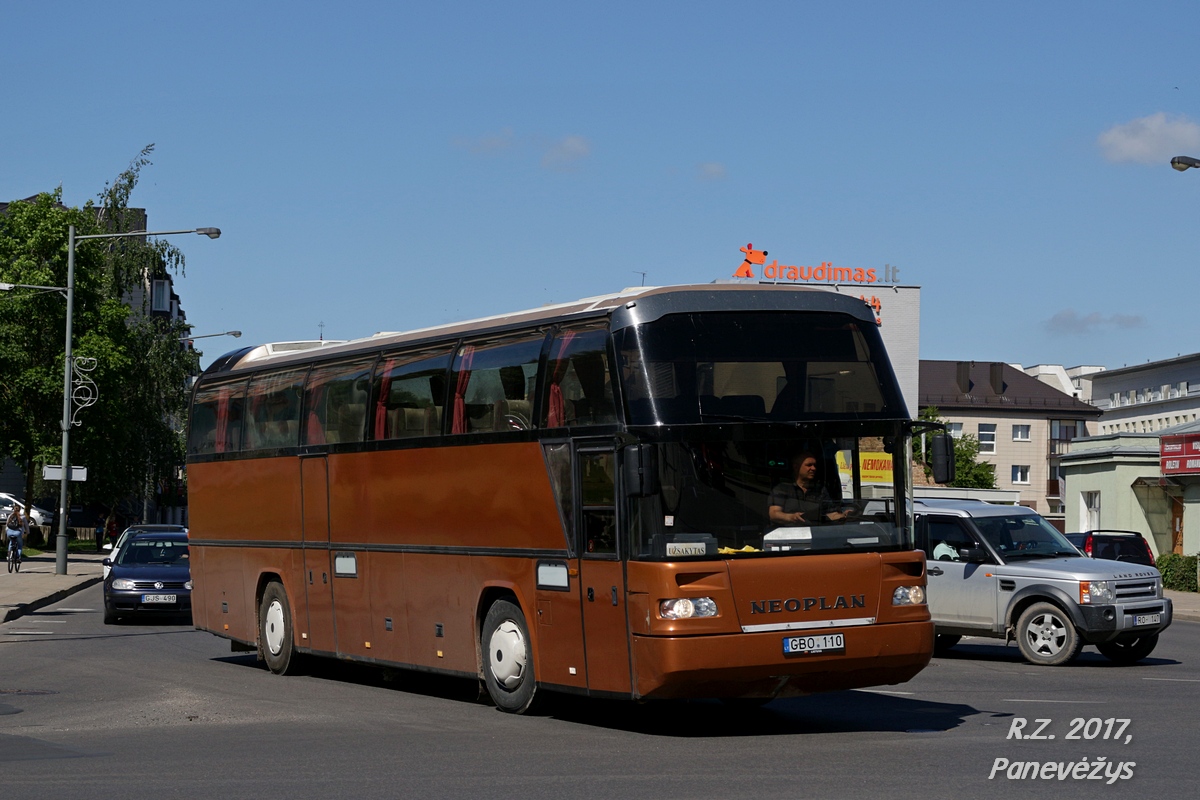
14	556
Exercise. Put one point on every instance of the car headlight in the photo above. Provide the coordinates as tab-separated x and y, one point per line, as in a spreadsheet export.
187	585
908	596
1095	592
687	607
122	583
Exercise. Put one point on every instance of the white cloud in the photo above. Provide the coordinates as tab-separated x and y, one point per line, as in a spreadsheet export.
487	143
1150	140
711	171
566	153
1069	322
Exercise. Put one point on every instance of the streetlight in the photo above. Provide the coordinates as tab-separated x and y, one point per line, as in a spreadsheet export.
1182	163
60	551
234	334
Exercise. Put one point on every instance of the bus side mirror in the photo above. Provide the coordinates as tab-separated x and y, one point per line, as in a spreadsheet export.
641	470
942	450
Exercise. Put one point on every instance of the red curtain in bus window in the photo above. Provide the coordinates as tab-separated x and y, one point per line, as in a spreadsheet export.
385	389
558	413
460	390
222	420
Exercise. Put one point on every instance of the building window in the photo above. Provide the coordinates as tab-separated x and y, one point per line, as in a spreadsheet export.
160	296
987	437
1020	433
1091	510
955	429
1020	474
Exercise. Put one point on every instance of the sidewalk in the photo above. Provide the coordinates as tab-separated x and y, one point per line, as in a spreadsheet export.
1187	604
36	585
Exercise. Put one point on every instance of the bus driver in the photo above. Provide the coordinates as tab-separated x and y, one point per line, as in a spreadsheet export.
802	501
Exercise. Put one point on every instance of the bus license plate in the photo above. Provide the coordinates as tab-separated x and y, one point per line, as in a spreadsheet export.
820	643
1146	619
158	598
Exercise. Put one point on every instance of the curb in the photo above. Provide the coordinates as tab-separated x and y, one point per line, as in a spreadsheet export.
21	610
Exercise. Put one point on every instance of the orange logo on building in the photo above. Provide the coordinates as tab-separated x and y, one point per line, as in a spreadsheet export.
746	270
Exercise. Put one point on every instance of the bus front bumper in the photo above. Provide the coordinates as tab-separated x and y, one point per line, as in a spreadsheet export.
755	665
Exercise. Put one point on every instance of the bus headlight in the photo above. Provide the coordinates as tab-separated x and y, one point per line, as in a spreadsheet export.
908	596
123	583
1095	592
687	607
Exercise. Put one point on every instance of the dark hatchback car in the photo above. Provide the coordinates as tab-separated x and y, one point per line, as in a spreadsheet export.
1114	546
150	575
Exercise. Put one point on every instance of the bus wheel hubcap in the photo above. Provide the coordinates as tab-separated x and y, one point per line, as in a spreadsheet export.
273	627
506	654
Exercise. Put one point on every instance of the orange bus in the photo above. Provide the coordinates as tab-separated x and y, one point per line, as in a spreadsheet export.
579	498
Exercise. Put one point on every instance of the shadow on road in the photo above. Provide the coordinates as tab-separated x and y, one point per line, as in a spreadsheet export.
994	651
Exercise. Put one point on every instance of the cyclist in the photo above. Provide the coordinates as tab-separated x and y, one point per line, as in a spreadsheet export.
16	528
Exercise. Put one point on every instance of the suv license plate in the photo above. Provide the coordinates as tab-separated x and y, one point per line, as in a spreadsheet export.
1147	619
821	643
158	598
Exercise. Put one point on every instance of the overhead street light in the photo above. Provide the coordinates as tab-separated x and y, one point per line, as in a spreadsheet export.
234	334
1183	163
60	552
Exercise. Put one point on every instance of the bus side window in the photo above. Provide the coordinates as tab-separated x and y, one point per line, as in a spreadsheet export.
410	392
578	387
216	423
493	383
335	402
273	420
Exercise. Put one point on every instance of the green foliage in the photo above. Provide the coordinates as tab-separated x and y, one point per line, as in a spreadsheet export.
131	436
1178	572
970	473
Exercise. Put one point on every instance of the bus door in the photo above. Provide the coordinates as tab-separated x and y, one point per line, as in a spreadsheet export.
601	573
318	575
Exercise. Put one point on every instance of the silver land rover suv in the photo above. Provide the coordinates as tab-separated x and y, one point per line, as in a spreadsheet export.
1004	572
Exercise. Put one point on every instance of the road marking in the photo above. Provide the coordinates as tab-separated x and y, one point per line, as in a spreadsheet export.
75	609
1022	700
884	691
1174	680
29	633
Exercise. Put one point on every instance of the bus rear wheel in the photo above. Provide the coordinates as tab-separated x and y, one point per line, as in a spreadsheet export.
275	630
507	658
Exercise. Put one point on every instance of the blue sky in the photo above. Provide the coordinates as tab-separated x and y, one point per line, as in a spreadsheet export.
387	166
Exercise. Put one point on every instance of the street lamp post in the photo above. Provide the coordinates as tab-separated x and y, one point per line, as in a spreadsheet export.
60	550
234	334
1183	163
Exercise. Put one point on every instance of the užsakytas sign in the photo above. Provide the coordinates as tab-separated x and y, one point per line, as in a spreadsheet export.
826	272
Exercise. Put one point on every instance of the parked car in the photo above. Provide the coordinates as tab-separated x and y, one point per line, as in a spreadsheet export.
150	575
1114	546
1006	573
132	529
37	515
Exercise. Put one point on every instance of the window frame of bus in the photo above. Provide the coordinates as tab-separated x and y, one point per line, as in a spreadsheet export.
397	364
321	377
233	440
274	378
469	351
561	339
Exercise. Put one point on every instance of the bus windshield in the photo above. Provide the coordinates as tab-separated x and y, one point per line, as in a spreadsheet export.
784	366
771	491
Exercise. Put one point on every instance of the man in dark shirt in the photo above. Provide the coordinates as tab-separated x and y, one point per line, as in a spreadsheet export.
802	501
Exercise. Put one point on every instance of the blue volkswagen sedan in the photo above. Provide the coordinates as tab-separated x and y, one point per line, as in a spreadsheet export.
150	575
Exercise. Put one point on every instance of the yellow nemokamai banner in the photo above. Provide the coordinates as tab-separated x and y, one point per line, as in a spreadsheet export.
872	467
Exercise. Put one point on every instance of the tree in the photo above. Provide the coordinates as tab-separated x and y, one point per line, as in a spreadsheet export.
969	472
132	435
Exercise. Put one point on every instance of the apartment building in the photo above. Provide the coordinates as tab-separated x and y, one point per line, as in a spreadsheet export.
1024	425
1147	398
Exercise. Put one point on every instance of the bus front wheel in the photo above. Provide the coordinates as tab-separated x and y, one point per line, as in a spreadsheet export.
507	658
275	630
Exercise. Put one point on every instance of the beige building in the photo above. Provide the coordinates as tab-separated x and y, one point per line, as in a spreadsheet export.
1023	425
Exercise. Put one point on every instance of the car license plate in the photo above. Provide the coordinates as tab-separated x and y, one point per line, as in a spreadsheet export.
820	643
1147	619
158	598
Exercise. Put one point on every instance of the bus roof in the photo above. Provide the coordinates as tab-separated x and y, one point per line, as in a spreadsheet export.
630	306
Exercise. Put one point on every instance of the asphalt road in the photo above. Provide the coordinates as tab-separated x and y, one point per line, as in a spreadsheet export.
161	710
